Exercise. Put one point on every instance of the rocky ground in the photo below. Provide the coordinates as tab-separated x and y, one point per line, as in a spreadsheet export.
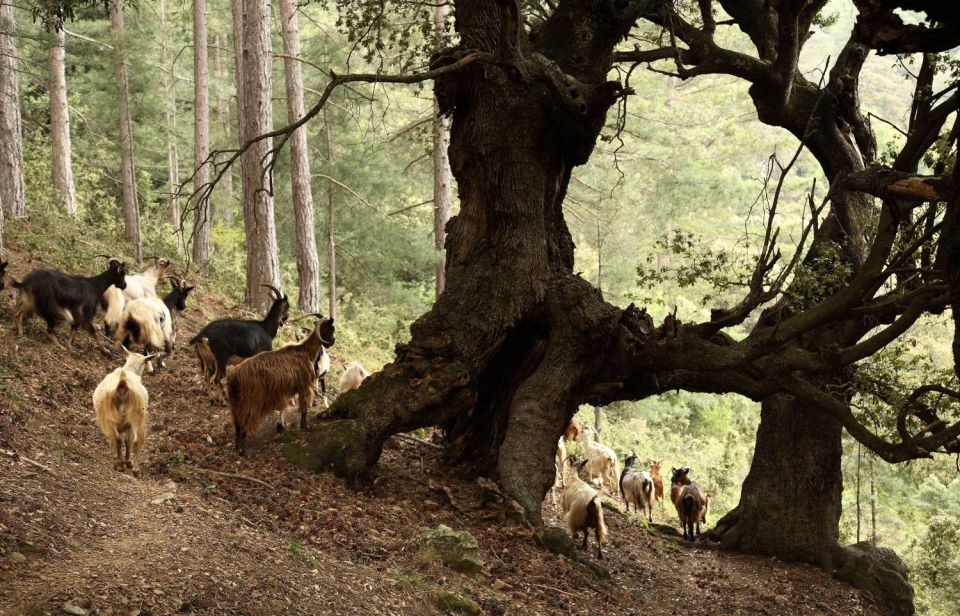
204	531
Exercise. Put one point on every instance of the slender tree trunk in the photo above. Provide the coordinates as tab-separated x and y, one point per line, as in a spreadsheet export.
222	110
263	266
128	181
331	244
201	133
60	124
308	266
170	122
873	505
859	459
598	422
442	176
11	125
237	12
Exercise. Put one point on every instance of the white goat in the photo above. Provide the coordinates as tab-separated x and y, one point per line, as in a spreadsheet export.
601	461
352	376
582	508
120	407
144	284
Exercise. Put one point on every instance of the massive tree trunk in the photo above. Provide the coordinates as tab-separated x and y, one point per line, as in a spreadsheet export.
60	125
128	180
202	221
308	266
442	176
263	266
500	358
11	126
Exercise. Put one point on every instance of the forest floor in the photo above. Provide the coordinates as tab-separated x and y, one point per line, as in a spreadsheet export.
205	531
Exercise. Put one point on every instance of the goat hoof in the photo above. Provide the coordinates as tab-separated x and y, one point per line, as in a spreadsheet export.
128	464
136	472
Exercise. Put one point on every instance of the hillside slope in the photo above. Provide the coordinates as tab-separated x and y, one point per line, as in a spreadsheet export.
205	531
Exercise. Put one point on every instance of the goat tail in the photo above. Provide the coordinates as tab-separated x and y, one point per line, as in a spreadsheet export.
122	391
689	503
648	487
601	527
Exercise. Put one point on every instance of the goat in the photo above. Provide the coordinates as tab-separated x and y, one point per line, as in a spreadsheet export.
657	481
144	284
267	381
59	297
573	431
582	507
352	377
153	322
690	501
120	408
601	461
112	302
228	339
3	271
636	486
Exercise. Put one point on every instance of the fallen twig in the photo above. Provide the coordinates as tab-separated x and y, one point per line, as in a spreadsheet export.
418	441
234	476
15	456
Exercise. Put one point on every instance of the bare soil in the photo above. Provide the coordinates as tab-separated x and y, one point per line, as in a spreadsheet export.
205	531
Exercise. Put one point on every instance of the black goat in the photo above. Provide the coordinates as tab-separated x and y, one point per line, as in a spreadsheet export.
238	338
3	271
59	297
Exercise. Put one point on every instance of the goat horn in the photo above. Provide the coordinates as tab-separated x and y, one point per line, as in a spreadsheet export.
307	316
105	257
274	289
154	257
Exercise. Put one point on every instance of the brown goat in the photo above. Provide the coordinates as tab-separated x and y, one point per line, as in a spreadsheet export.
267	381
657	481
690	500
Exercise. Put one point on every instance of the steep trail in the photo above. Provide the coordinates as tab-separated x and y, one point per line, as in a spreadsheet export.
196	535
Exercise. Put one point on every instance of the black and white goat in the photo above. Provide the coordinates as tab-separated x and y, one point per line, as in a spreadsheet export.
636	487
232	339
59	297
152	322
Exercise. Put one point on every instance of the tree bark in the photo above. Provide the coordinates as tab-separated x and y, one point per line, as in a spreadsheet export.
237	12
128	180
308	266
60	125
222	109
170	122
263	266
11	124
331	229
202	220
442	176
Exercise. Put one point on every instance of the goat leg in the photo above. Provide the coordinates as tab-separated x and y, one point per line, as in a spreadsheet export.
280	427
599	546
586	532
135	466
306	397
118	459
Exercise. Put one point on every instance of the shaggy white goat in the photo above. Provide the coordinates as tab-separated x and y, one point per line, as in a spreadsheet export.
120	407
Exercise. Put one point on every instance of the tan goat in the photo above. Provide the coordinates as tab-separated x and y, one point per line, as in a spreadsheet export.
120	407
